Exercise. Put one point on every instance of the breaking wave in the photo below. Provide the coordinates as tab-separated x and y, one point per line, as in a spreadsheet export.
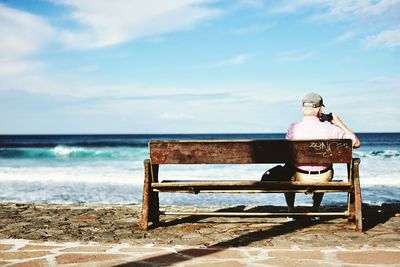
65	152
378	153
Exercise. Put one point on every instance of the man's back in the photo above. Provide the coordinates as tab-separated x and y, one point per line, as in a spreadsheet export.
312	128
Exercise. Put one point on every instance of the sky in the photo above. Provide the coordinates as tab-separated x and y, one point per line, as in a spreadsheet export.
196	66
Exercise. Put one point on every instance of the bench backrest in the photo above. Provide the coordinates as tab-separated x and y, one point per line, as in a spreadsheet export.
250	151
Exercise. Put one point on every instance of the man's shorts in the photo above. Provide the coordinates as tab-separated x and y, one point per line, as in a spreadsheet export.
305	177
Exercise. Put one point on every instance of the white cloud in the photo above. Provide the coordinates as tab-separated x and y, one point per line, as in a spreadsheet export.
361	16
344	37
107	22
12	68
374	7
338	9
256	28
174	116
388	38
236	60
289	6
22	35
294	55
251	3
87	68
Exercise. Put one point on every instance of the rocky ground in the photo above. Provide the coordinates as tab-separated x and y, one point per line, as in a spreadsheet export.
119	224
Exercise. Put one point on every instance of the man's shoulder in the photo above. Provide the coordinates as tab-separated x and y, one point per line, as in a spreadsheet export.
313	129
294	125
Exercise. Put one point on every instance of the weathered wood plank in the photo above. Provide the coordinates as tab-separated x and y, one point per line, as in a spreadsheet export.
252	214
357	196
249	186
154	205
173	183
146	212
350	196
248	191
250	151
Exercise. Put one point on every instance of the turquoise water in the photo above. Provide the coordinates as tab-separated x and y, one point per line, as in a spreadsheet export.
109	169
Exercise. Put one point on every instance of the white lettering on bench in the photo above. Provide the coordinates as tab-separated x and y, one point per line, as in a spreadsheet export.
325	148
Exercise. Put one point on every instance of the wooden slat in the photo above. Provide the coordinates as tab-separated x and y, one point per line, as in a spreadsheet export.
252	214
250	191
174	183
250	151
256	186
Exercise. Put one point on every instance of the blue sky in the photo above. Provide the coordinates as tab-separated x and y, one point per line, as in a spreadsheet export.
196	66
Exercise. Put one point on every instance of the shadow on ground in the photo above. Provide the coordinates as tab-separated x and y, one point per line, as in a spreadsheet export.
375	215
242	240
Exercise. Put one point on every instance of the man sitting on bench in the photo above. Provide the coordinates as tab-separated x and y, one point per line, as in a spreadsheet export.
316	125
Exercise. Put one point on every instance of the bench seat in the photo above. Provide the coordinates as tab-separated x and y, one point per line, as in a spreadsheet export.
232	186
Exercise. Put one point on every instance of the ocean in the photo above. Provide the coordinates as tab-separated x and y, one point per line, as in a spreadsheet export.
108	169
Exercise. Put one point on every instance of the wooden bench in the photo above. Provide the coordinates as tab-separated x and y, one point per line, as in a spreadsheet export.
249	152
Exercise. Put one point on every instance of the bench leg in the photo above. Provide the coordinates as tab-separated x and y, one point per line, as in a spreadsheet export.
150	203
144	222
357	196
154	216
354	198
350	195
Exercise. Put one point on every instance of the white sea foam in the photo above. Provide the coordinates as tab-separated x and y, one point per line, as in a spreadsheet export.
372	172
81	193
64	151
71	174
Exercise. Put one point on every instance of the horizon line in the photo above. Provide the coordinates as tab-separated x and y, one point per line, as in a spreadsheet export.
196	133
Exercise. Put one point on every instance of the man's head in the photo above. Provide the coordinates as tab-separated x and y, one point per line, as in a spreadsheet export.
312	104
313	100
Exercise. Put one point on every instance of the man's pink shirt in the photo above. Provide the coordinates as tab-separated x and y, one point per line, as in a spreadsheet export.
312	128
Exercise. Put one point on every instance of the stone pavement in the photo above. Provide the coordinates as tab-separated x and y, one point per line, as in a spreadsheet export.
20	252
119	224
108	235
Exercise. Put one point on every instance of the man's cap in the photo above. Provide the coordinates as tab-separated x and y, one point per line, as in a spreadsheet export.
312	100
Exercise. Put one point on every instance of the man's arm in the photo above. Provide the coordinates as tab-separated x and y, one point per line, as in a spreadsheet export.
338	122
